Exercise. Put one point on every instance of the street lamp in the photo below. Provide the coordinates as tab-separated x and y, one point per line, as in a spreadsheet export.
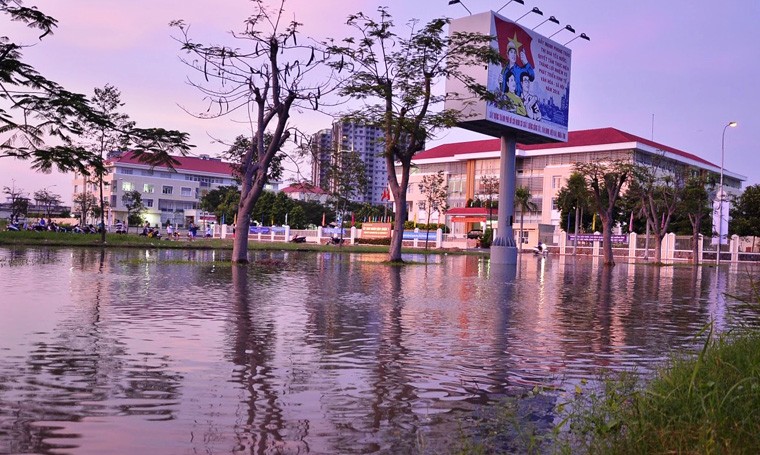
522	2
582	35
551	19
454	2
567	27
720	209
534	10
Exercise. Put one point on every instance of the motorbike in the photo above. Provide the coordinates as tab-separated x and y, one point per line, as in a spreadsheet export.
540	251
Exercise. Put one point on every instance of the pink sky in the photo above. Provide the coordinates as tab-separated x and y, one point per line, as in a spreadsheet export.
691	64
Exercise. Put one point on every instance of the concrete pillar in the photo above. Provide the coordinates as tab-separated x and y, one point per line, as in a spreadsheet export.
223	233
416	231
734	247
319	234
353	234
287	233
562	243
503	248
701	248
595	250
632	237
439	238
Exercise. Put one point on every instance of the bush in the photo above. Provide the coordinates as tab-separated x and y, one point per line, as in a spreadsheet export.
386	241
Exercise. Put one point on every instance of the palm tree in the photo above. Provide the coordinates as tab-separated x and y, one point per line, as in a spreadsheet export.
524	204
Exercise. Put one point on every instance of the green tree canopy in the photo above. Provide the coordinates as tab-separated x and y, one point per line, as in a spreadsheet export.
745	213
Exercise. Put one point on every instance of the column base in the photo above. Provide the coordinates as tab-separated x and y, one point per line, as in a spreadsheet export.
503	255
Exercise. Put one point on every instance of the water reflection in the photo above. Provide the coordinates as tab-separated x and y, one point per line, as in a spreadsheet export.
316	353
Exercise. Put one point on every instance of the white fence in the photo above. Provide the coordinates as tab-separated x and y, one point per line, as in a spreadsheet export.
674	249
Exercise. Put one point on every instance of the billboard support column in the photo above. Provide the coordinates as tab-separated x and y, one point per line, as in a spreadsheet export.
503	248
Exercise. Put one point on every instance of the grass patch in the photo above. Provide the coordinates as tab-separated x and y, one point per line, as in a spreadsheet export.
45	238
705	403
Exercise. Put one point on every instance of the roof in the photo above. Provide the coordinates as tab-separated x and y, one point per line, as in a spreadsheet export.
581	138
304	187
186	163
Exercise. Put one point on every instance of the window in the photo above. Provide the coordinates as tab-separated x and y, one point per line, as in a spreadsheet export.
148	202
186	191
167	189
127	186
148	188
125	171
556	181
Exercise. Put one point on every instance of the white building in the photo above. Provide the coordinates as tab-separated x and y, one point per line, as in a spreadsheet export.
166	193
542	168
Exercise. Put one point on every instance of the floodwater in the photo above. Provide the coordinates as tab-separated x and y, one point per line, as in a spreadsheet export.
179	352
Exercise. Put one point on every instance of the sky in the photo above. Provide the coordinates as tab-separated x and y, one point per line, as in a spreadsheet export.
676	71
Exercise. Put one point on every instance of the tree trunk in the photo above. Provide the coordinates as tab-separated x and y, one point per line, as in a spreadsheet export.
695	243
575	240
658	248
397	236
520	238
240	242
608	258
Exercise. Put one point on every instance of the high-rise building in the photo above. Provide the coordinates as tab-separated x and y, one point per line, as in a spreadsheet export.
367	141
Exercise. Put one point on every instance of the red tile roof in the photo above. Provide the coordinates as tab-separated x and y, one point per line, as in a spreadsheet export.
186	163
303	188
599	136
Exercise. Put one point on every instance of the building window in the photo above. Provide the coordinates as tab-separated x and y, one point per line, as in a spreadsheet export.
127	186
148	202
148	188
125	171
167	189
556	182
187	192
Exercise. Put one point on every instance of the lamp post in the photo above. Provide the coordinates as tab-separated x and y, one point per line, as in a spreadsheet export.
522	2
582	35
720	209
454	2
534	10
551	19
567	27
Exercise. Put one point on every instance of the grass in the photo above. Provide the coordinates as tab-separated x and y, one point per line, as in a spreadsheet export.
700	404
45	238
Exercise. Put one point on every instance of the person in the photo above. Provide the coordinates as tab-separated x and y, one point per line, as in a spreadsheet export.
146	229
515	102
515	69
193	230
169	231
530	101
208	231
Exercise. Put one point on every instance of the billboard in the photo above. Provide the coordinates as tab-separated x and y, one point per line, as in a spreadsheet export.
532	89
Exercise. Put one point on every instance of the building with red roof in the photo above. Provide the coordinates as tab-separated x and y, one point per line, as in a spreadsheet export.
542	168
170	195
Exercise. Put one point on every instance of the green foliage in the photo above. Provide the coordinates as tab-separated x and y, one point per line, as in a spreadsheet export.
237	151
394	74
297	218
745	213
222	202
487	239
133	202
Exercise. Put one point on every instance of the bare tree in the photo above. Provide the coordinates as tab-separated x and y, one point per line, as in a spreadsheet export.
489	187
605	178
18	200
265	75
394	76
436	197
86	204
47	200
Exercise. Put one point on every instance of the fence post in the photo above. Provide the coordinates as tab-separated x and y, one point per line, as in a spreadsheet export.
595	251
353	235
632	246
287	233
223	233
416	231
439	238
701	248
734	248
562	243
319	235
